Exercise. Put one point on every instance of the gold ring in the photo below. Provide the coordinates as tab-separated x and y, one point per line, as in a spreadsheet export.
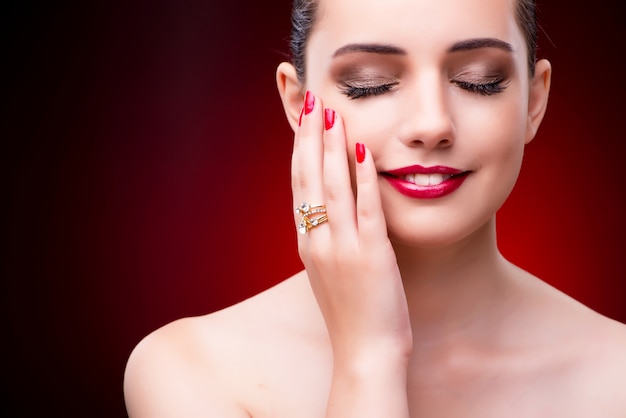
312	216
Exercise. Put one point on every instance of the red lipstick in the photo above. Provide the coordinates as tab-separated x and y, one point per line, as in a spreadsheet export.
426	182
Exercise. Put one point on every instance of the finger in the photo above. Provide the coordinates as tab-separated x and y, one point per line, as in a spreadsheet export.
306	167
338	193
370	216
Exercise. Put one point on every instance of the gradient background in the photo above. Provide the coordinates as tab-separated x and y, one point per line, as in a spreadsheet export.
142	139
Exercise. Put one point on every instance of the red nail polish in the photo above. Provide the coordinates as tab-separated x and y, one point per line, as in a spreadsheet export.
329	118
309	102
360	152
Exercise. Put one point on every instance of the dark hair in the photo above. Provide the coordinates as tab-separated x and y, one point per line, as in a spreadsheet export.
526	14
303	20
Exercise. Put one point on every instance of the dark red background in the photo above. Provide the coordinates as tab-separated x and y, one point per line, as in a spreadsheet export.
148	178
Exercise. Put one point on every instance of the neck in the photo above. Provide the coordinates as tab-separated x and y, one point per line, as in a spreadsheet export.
451	288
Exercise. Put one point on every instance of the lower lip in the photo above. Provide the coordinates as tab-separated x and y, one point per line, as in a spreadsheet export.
427	192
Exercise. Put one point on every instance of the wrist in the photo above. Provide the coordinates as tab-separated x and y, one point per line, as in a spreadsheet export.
368	360
369	382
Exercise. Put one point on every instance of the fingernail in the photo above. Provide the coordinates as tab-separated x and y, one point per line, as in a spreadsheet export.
329	118
360	152
309	102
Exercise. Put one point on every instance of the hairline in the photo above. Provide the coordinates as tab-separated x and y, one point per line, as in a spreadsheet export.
525	17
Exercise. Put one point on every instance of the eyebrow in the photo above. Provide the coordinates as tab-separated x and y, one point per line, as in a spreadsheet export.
478	43
370	48
465	45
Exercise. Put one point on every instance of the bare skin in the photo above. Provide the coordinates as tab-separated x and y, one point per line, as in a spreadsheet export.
406	307
253	360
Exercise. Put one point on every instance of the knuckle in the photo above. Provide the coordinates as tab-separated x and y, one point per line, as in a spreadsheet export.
365	212
331	192
319	254
298	182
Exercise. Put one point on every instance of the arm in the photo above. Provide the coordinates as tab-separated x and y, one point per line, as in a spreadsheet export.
353	272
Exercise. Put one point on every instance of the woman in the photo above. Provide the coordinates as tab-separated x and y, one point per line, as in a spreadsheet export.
410	121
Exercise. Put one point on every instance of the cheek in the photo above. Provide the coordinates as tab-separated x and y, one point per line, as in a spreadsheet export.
493	136
496	129
370	123
501	160
366	123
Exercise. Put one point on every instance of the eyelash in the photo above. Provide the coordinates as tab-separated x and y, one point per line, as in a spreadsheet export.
484	89
353	92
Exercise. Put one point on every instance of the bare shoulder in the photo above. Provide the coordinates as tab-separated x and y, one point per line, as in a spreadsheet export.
173	372
214	365
587	350
604	360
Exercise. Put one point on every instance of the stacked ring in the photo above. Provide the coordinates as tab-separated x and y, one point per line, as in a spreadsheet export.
312	216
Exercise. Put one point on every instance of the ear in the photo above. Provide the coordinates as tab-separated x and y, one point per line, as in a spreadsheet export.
538	97
291	92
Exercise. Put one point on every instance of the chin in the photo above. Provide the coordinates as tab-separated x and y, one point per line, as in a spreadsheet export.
439	235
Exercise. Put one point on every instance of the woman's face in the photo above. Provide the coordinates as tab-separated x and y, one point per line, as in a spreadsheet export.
431	83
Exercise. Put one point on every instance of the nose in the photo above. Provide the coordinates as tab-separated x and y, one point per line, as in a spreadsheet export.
426	118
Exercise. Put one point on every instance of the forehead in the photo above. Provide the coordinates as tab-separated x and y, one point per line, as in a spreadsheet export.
414	25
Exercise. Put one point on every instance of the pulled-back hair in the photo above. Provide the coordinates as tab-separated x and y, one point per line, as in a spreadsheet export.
302	21
304	13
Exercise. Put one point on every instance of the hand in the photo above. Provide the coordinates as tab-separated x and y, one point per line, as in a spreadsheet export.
349	259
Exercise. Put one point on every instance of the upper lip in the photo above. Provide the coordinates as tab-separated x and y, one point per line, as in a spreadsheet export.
418	169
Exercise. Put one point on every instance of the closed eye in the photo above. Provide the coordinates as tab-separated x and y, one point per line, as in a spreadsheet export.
357	92
487	88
